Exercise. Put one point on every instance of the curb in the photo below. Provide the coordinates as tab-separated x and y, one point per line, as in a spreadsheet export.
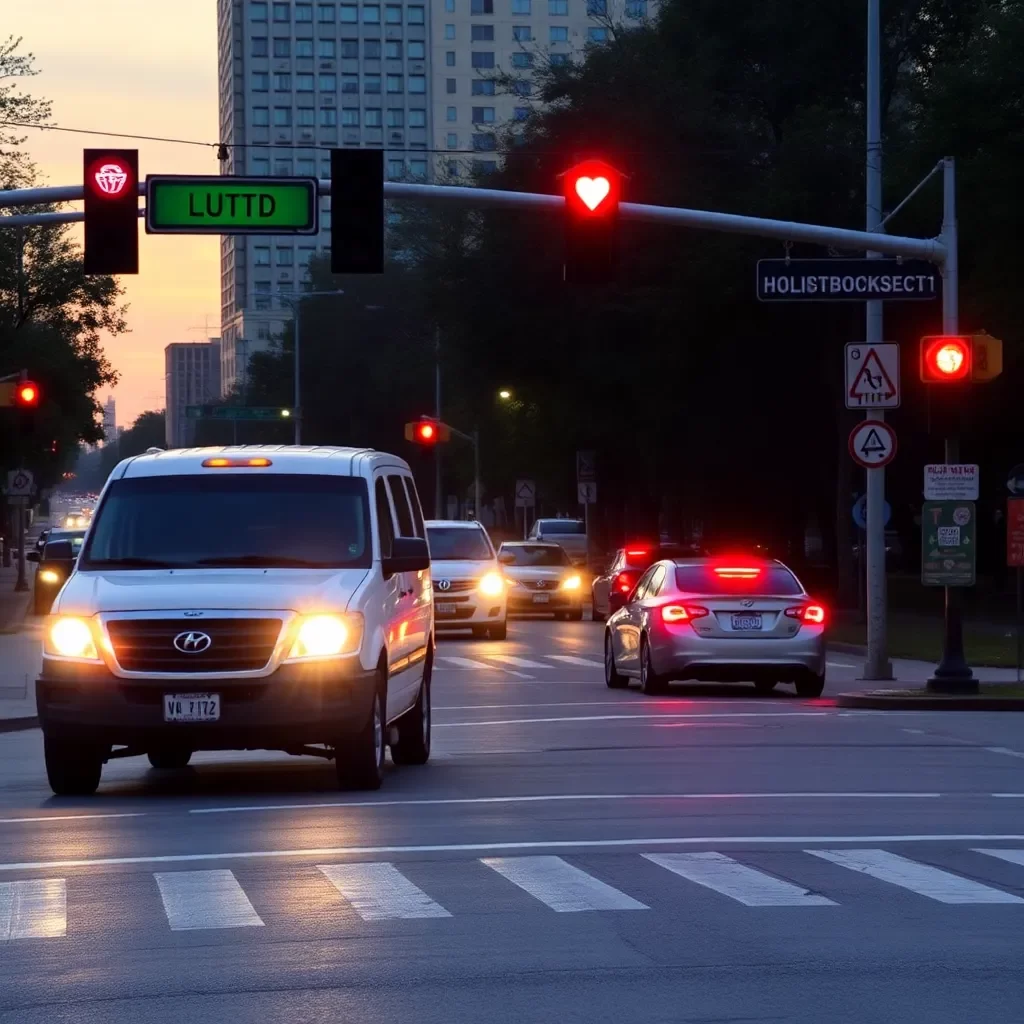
881	701
841	648
19	724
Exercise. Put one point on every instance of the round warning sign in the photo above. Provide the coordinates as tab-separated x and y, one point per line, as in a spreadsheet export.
872	444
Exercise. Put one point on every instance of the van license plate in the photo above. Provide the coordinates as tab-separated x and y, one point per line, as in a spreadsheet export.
746	622
191	707
541	598
445	609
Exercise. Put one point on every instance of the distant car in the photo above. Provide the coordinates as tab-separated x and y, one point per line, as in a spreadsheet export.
76	521
719	620
610	589
56	562
542	579
571	534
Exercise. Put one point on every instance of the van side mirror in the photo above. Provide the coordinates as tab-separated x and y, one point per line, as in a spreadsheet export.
59	551
408	554
32	556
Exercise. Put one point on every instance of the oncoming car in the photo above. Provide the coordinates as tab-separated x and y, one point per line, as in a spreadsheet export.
542	579
718	620
56	560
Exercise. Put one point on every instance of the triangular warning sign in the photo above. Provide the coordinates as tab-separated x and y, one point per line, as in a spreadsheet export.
873	444
872	380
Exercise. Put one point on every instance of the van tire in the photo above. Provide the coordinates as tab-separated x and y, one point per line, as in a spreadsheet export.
169	760
413	745
500	631
359	757
72	769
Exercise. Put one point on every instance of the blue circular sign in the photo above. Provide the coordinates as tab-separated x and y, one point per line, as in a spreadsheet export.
860	512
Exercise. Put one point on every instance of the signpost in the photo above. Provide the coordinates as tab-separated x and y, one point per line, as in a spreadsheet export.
1015	481
860	512
526	498
20	484
872	376
872	444
586	492
854	280
1015	560
217	204
951	482
237	412
948	544
586	488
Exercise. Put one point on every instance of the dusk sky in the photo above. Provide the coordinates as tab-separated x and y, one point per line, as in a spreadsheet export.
147	67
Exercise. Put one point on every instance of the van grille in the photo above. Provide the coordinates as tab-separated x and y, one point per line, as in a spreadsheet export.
236	645
454	587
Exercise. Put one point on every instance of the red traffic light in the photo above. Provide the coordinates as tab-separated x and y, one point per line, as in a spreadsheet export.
427	432
111	179
592	189
26	394
946	359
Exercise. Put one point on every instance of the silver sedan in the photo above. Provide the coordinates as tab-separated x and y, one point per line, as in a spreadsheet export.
722	620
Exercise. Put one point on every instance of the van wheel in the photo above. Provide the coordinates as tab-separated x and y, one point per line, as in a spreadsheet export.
500	631
72	769
413	746
359	758
169	760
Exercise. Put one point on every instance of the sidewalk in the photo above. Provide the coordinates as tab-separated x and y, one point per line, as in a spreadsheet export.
20	656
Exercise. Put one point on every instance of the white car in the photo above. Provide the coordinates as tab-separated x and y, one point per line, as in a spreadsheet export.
266	597
470	591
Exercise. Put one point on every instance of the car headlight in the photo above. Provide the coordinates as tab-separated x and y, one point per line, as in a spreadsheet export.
71	638
326	636
48	576
571	583
492	585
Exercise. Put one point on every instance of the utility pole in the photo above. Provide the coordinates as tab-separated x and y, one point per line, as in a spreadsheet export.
877	665
297	414
438	509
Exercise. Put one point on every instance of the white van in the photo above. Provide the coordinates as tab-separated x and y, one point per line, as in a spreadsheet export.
267	597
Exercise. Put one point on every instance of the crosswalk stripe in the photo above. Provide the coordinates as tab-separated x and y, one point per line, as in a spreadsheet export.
561	886
451	659
1011	856
572	659
205	899
34	909
923	879
380	892
510	659
737	881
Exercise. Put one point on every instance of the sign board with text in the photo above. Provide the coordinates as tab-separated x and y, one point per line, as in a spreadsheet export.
873	376
842	280
948	544
223	205
1015	532
956	482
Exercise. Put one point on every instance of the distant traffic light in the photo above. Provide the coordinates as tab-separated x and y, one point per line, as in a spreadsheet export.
952	359
428	432
592	190
357	211
26	394
111	179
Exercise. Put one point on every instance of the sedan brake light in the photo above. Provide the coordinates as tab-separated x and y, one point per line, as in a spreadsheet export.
673	613
812	614
737	572
623	583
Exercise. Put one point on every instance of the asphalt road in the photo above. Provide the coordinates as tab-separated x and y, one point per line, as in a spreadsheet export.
571	852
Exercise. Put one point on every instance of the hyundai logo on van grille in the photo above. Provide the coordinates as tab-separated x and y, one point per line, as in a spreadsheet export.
192	643
444	584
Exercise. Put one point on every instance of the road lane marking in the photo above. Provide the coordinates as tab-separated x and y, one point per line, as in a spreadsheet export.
557	798
572	659
380	892
564	888
923	879
1010	856
1008	796
70	817
33	909
545	704
838	664
624	718
1005	750
737	881
549	844
510	659
196	900
467	662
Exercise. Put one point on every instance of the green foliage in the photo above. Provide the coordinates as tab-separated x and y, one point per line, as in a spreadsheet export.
94	466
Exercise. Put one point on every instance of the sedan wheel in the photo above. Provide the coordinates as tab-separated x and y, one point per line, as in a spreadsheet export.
650	681
613	680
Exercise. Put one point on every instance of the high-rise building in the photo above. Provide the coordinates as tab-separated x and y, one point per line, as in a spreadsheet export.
109	421
191	377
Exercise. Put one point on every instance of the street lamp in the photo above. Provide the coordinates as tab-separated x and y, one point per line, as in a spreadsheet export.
504	394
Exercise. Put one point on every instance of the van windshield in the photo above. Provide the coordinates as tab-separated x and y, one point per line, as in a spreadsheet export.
211	520
458	544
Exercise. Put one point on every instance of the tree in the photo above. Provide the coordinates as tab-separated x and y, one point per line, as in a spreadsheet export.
94	466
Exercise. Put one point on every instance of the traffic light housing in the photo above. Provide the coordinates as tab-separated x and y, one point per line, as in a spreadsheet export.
111	180
954	359
357	211
427	432
592	191
20	394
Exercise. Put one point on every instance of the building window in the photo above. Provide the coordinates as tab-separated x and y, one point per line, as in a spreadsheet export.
417	118
453	140
282	47
482	87
417	16
396	168
451	114
558	7
393	49
282	82
393	15
304	48
521	33
372	117
559	60
305	117
418	168
371	14
485	166
259	46
349	49
371	84
305	167
636	8
396	117
484	142
481	59
261	117
285	257
559	33
452	169
257	11
328	117
349	83
349	14
521	88
260	81
521	113
449	86
282	117
325	169
328	82
325	14
521	6
449	58
522	59
483	115
481	33
281	13
259	165
303	83
371	49
303	13
597	8
350	117
597	35
393	84
449	31
417	50
261	255
481	6
326	49
417	84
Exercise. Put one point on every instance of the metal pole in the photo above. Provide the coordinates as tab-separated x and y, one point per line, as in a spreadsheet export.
438	510
22	583
1020	616
476	474
952	674
877	665
297	415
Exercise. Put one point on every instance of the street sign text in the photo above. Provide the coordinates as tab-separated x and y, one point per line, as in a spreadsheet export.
846	280
948	544
872	376
951	482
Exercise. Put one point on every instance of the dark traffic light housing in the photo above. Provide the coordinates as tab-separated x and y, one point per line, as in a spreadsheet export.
111	184
959	358
357	211
592	191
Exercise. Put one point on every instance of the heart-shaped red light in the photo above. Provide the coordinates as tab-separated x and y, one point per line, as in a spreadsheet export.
592	191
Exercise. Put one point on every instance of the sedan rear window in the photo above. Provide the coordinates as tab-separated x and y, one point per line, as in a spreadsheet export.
570	527
770	580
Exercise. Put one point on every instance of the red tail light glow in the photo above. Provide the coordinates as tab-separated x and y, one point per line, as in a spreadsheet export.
636	552
672	613
624	582
737	572
812	614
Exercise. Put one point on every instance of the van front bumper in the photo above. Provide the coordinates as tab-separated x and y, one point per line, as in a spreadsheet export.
296	705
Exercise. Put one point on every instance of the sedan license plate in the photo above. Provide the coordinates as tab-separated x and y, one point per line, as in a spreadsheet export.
191	707
748	621
445	609
541	598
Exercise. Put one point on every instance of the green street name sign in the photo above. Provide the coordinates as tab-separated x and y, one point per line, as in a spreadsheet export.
949	550
237	412
222	205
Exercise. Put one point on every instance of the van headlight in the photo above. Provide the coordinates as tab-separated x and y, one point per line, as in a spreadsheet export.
70	638
492	585
48	576
571	583
326	636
